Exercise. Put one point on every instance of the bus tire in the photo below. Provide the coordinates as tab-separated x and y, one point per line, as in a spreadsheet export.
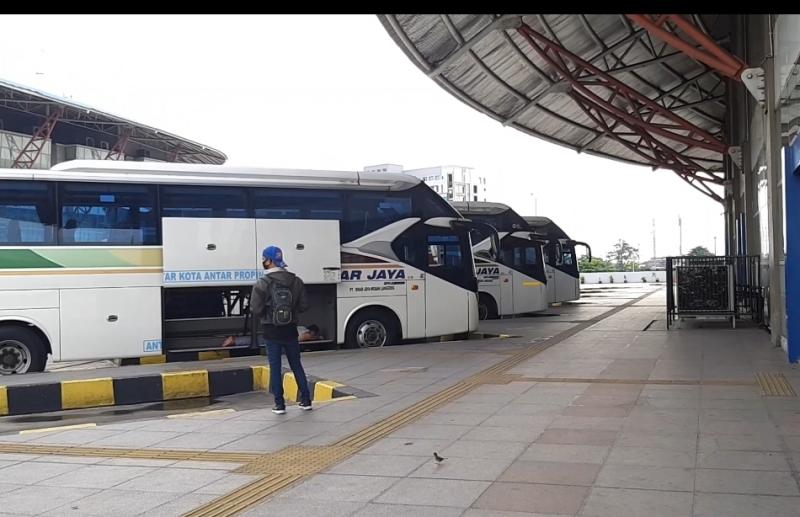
370	328
21	350
487	307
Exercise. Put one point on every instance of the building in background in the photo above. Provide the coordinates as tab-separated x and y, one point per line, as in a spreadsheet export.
39	130
452	182
384	167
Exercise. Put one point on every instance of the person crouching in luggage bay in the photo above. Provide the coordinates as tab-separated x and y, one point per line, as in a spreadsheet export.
277	297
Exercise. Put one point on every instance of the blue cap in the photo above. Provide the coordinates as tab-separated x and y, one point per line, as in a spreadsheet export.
274	254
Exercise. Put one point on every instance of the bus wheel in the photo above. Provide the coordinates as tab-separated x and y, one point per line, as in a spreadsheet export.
369	329
487	308
21	351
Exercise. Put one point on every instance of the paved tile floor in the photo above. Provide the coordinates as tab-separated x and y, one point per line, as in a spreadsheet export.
532	447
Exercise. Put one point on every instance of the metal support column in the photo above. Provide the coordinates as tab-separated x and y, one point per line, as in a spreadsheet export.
737	139
772	139
792	184
751	232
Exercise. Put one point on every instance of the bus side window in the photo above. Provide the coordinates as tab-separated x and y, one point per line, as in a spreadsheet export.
192	201
277	203
530	255
27	213
443	254
97	213
444	251
368	211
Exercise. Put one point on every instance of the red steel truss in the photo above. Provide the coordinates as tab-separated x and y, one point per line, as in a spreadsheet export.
665	27
33	148
628	117
118	151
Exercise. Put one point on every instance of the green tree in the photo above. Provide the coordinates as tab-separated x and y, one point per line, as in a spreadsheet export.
623	256
594	266
700	251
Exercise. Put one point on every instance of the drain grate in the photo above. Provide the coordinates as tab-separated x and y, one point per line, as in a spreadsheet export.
656	325
774	385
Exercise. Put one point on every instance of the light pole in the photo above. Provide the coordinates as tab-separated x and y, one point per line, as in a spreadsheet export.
535	205
715	245
654	237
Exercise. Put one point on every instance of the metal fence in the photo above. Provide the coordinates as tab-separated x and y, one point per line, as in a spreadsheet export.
726	286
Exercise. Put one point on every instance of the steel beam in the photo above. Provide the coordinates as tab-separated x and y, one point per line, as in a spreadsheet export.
710	54
635	121
33	148
558	57
175	154
118	151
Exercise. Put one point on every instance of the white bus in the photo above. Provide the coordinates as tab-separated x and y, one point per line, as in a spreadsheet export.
514	282
563	276
128	259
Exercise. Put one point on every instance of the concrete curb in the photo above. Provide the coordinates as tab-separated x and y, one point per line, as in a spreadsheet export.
195	355
196	383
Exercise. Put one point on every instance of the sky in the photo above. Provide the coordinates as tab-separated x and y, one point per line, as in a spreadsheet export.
335	92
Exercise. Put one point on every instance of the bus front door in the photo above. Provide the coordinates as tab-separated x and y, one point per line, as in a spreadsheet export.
506	294
552	292
415	304
450	263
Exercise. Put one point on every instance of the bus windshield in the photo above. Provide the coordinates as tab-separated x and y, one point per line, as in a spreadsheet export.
485	242
523	255
442	252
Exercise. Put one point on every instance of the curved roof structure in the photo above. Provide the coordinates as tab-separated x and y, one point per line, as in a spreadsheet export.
596	83
22	107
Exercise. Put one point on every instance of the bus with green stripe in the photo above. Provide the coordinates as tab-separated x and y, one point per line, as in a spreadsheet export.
105	259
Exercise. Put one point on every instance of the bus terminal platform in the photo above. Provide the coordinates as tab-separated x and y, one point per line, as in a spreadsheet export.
590	409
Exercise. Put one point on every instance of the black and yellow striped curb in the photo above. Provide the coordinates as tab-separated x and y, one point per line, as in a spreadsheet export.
109	391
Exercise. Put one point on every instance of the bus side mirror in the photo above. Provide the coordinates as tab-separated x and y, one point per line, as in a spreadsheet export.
588	248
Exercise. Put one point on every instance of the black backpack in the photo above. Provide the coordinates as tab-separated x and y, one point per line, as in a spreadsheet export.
279	309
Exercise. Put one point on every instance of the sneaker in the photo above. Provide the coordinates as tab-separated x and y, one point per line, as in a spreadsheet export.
279	410
305	406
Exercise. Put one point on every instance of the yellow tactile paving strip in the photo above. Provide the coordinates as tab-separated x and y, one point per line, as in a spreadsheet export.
662	382
113	452
774	385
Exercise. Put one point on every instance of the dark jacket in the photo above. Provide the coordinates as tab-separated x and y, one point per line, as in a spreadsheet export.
259	299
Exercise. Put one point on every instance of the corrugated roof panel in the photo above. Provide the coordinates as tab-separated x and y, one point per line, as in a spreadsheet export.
534	86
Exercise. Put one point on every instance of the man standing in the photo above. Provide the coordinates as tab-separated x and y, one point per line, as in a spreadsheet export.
276	299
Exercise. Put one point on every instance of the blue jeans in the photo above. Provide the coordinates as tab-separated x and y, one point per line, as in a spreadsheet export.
292	351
